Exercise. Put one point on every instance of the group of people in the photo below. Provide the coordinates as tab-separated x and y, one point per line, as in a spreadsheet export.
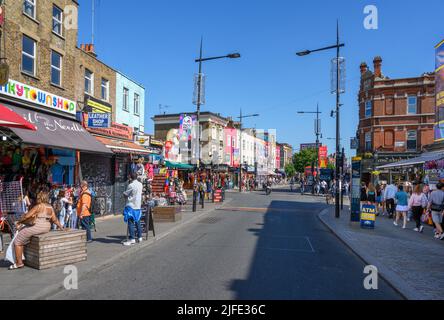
406	202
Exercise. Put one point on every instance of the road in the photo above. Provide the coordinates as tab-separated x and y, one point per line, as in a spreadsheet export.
258	247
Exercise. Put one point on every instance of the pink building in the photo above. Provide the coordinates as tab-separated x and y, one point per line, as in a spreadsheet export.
231	156
278	157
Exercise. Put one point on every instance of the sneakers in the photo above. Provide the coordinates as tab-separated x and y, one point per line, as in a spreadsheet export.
129	242
140	240
436	236
403	227
395	224
421	228
441	236
416	230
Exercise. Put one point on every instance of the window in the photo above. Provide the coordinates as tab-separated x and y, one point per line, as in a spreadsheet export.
89	82
368	109
57	20
228	141
368	141
29	8
56	68
28	55
412	104
105	89
136	104
125	99
411	140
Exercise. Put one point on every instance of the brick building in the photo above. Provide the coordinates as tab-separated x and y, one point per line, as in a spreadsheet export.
396	116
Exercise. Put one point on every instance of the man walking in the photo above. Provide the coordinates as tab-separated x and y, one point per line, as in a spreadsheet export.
84	209
132	212
389	198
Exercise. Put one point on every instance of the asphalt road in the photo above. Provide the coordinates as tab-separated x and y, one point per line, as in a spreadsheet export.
258	248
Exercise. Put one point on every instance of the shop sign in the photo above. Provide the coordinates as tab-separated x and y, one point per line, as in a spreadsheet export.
368	216
96	106
99	120
115	130
31	94
156	143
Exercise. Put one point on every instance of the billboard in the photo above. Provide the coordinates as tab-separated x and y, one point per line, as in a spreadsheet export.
308	146
186	124
439	91
323	157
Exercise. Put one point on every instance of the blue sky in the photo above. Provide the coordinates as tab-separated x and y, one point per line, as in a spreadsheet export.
156	42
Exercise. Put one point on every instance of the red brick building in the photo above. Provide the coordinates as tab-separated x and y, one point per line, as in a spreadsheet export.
396	116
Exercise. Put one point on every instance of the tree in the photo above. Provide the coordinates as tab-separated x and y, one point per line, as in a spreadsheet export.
289	170
303	159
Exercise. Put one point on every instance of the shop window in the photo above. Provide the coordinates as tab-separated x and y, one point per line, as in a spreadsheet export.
29	8
412	102
105	89
412	137
28	55
89	82
56	68
125	99
57	20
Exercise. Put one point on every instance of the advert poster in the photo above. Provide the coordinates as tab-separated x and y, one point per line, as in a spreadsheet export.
323	157
368	216
432	171
439	91
186	124
356	190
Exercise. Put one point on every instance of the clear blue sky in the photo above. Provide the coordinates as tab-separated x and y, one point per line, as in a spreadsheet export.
156	42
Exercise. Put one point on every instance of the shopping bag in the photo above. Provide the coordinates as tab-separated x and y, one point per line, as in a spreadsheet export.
10	252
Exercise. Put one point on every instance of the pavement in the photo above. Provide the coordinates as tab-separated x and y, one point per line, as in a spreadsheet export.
105	251
256	247
411	262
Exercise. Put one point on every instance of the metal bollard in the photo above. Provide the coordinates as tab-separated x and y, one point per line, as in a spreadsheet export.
194	200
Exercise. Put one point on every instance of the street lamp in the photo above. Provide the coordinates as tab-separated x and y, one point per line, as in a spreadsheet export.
317	133
241	117
198	100
337	46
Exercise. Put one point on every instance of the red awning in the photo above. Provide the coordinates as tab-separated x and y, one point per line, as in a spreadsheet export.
120	146
9	118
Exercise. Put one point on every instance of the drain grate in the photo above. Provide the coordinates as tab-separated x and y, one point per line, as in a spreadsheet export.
210	220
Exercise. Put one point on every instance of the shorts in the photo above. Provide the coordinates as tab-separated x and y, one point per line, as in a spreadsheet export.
437	217
402	208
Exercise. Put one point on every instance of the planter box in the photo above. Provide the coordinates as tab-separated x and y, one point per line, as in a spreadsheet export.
56	248
167	214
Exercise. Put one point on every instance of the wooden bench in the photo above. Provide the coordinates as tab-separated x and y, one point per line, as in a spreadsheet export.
56	248
167	214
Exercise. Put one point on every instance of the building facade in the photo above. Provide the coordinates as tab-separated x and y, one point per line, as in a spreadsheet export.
396	116
130	103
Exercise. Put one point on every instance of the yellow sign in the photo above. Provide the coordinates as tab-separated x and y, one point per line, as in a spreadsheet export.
98	107
356	159
368	216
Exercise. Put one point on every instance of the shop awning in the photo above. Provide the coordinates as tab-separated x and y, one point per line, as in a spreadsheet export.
56	132
429	156
121	146
178	165
10	119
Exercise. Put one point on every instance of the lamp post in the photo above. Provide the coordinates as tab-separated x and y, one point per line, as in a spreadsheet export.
199	95
337	46
317	133
241	117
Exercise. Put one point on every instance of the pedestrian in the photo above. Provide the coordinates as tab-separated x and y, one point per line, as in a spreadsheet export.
417	203
363	192
37	221
436	206
133	209
84	209
378	198
371	194
402	206
389	198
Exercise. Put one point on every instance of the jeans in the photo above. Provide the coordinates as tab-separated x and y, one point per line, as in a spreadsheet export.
131	225
86	225
417	212
390	203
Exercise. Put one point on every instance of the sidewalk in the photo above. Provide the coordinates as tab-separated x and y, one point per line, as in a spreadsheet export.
106	250
411	262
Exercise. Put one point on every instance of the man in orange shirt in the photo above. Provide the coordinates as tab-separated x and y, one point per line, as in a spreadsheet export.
84	210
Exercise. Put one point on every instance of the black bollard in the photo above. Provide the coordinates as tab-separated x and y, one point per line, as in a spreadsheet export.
194	200
202	198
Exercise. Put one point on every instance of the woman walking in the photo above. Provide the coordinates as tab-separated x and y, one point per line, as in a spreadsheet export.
37	221
402	206
417	203
371	194
363	192
436	206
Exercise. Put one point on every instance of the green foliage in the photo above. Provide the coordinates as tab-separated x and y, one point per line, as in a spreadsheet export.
289	170
304	159
331	165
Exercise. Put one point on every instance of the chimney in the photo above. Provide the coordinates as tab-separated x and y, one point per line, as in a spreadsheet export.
363	68
88	48
377	63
